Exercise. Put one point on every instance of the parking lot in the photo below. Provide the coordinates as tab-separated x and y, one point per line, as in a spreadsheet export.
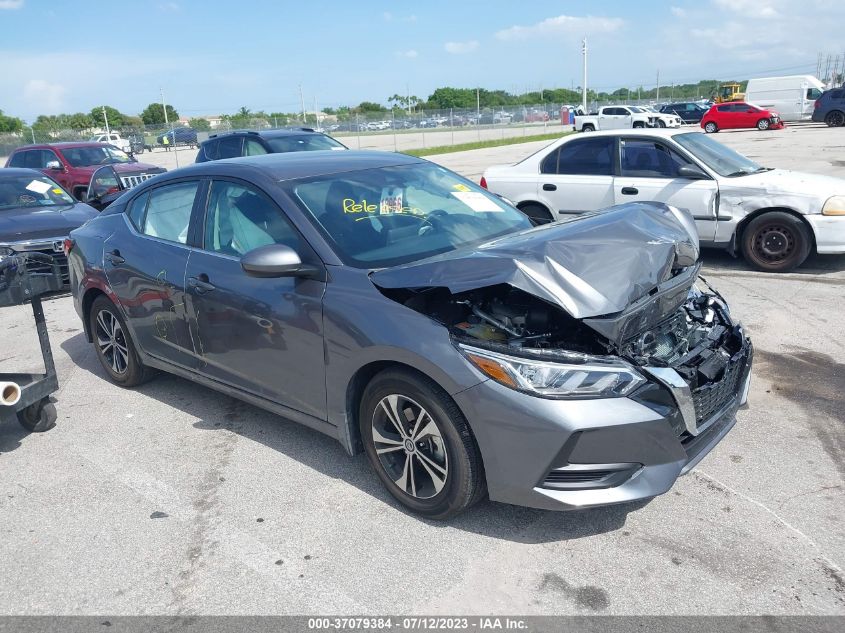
174	499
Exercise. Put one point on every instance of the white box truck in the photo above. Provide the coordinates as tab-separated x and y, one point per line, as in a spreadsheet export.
792	97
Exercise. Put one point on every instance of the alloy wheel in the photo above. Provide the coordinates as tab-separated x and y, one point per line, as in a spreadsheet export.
410	446
763	124
111	341
835	119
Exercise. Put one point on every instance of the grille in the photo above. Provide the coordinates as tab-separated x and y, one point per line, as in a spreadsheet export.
37	266
135	180
710	398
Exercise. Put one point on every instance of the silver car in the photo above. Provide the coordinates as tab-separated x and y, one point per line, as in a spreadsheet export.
404	311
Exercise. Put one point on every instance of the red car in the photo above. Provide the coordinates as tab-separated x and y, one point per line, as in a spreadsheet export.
738	114
73	164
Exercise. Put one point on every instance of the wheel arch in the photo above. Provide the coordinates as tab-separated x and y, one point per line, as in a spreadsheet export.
740	228
355	392
87	301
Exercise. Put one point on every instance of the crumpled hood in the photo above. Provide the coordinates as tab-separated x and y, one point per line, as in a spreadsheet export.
596	264
783	181
33	223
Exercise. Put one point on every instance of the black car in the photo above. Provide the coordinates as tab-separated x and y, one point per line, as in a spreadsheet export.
830	108
251	143
179	136
689	112
36	215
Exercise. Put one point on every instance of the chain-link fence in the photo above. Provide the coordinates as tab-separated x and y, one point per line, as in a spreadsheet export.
396	130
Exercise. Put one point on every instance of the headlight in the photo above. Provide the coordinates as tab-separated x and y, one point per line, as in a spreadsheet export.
593	378
834	206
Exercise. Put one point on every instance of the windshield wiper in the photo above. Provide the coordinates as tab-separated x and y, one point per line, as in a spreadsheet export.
741	172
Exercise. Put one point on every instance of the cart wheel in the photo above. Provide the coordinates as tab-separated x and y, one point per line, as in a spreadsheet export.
38	417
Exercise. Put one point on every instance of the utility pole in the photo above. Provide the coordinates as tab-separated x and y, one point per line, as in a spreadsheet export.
584	84
316	116
168	124
302	101
106	119
657	96
408	90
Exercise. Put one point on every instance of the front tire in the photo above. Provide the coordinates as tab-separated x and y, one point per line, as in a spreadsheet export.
710	127
420	445
661	123
835	118
114	345
763	124
776	242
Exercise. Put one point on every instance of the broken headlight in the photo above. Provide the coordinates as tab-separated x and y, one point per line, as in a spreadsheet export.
593	378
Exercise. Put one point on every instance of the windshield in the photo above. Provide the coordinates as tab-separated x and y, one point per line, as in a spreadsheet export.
31	191
635	109
723	160
100	155
303	143
394	215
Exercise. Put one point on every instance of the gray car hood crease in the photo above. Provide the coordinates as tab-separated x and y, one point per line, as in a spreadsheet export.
596	264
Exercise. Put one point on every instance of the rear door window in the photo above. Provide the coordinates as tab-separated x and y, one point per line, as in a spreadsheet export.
19	159
168	212
229	147
582	157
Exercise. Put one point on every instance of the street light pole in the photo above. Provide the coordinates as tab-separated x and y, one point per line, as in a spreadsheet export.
584	86
106	119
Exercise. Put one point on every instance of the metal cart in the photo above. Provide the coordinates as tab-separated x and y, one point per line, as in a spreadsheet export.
25	278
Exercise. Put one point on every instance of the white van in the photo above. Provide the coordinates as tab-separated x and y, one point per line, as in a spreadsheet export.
792	97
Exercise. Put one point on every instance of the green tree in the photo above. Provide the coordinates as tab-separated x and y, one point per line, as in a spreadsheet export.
10	124
153	114
116	119
369	106
200	125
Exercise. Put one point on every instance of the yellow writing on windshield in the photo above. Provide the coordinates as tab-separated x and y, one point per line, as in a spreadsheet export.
353	206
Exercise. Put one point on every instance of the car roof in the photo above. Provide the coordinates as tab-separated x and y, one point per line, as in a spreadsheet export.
13	172
636	132
295	165
297	131
64	145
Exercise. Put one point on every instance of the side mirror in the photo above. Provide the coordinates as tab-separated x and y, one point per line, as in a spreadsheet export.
276	260
53	164
691	172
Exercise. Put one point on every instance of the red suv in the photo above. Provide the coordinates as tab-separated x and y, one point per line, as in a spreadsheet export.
738	114
72	164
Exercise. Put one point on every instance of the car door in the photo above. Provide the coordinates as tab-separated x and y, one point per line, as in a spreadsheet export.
649	173
578	176
747	115
260	335
145	265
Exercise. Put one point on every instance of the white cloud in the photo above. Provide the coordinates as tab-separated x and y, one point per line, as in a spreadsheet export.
389	17
748	8
678	12
458	48
49	96
170	7
11	4
410	54
562	25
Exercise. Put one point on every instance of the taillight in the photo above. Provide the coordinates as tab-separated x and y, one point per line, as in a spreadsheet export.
483	182
67	246
817	105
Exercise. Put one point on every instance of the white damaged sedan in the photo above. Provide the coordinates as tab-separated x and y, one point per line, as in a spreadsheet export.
774	217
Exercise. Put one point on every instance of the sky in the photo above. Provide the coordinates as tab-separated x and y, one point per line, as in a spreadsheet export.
214	57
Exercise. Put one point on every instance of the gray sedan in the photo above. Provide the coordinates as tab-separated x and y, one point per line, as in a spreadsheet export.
406	312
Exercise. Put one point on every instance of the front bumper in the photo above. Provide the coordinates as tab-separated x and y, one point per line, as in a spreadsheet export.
51	246
829	231
569	454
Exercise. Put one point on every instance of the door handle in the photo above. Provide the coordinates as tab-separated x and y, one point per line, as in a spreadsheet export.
549	187
200	284
630	191
115	258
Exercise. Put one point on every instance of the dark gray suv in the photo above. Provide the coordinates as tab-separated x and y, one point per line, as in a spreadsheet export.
830	108
404	311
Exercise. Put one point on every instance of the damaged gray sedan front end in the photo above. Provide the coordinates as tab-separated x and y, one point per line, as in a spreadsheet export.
612	368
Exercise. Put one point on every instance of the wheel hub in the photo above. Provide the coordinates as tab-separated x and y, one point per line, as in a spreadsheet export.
775	243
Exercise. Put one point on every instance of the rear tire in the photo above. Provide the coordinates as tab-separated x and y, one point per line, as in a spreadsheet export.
710	127
763	124
588	128
537	213
776	242
639	125
431	464
835	118
114	345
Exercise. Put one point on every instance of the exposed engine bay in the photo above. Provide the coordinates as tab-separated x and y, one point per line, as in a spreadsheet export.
698	340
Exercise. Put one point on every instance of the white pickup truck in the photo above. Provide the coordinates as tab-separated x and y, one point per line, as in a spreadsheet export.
624	117
115	139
